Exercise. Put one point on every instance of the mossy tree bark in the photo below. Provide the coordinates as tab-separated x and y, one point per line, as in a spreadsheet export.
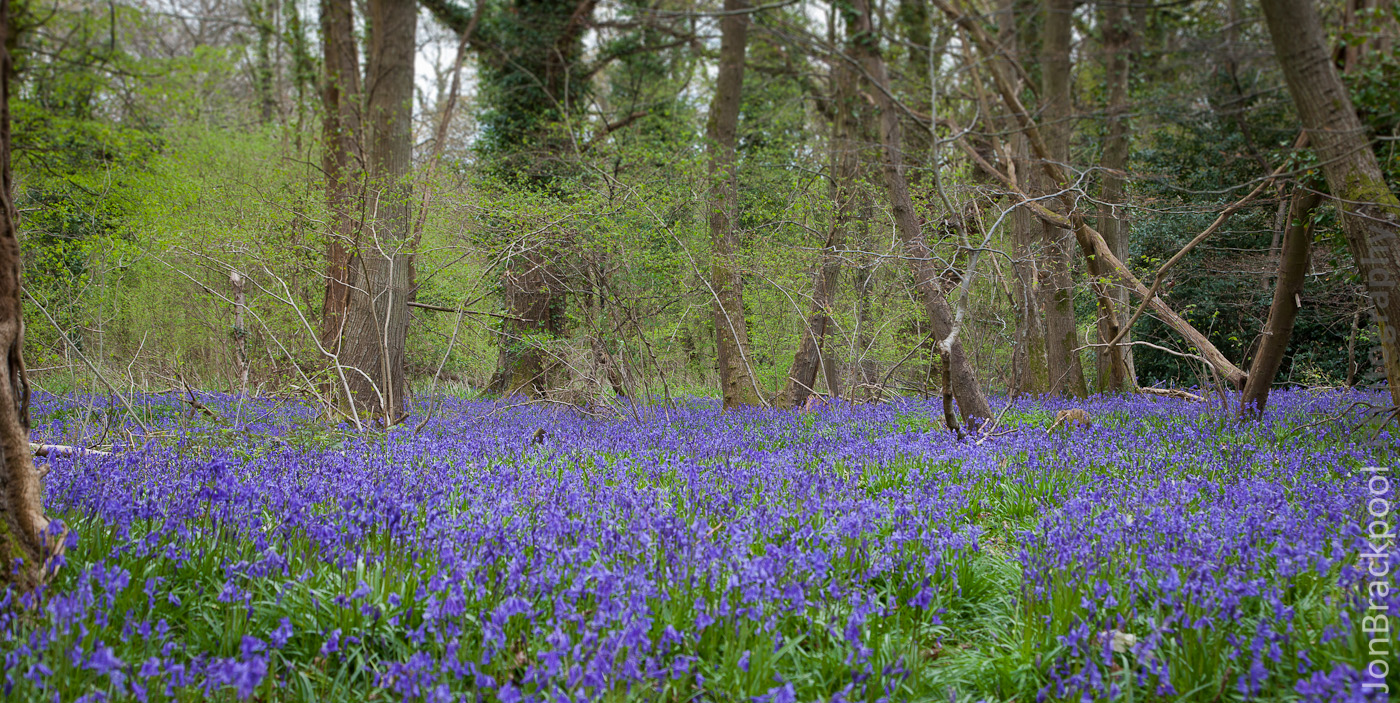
1370	211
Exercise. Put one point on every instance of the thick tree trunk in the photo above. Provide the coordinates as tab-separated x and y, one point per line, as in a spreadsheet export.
845	170
340	101
24	549
1370	211
1061	328
731	330
377	319
534	296
1292	266
1113	220
865	46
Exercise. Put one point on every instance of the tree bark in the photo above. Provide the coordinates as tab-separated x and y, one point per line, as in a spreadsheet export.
1061	327
1113	220
1292	266
1029	370
25	546
731	330
240	331
377	319
865	46
1370	211
863	374
340	101
534	296
1029	374
845	170
1090	241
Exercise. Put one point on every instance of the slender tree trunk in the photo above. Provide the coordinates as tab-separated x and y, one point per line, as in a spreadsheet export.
1090	242
1028	367
24	545
731	330
865	46
1113	220
863	371
240	331
845	170
1292	266
1061	327
1031	369
340	100
377	319
1370	211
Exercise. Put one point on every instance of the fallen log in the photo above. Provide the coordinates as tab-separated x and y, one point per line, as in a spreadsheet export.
48	450
1172	393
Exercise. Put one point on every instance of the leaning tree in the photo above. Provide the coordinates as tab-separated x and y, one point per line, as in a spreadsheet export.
24	549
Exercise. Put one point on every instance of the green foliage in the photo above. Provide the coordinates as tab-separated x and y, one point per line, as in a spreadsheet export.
1224	287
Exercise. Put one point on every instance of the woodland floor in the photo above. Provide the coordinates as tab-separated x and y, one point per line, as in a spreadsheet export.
1168	552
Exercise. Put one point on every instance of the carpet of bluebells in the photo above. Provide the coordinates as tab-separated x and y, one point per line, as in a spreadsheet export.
857	552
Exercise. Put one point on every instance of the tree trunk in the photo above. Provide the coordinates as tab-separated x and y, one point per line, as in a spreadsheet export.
262	14
1061	328
24	545
1029	374
534	296
1370	211
240	331
1113	220
863	375
377	319
1029	370
340	100
865	46
845	170
1292	266
731	331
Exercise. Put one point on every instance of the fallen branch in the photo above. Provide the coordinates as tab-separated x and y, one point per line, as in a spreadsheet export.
1172	393
443	308
48	450
1091	241
1225	214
